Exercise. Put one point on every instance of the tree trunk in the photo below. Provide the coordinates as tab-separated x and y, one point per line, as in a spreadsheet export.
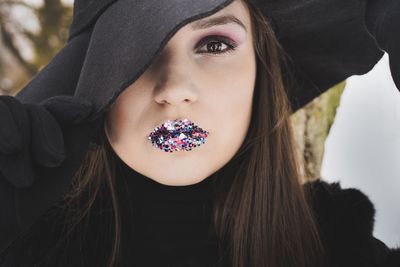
311	126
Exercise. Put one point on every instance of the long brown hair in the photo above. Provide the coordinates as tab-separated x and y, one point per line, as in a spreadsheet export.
261	213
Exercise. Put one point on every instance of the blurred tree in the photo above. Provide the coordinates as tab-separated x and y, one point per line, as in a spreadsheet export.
53	19
312	125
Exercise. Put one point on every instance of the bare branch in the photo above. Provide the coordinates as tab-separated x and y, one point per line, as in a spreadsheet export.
19	3
9	43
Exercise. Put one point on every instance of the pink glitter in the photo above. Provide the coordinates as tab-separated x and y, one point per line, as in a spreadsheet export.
177	135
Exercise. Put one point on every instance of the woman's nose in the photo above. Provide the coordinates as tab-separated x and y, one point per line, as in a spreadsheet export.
175	83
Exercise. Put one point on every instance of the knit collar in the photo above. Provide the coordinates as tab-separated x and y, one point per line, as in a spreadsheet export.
172	222
150	190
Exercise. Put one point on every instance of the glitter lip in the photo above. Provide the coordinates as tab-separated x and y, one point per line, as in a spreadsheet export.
177	135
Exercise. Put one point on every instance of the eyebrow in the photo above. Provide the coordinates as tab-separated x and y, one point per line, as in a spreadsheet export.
221	20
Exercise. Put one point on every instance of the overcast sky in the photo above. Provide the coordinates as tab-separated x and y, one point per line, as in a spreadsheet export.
363	147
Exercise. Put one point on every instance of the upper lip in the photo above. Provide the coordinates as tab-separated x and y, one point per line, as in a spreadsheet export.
174	120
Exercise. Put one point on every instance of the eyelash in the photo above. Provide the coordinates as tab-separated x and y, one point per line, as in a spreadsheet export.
231	46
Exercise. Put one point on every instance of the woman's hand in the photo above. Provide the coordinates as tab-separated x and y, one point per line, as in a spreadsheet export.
32	134
383	22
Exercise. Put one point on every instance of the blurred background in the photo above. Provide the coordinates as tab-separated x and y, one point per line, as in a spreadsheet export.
350	134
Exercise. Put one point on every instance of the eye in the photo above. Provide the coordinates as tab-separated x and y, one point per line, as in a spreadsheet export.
213	45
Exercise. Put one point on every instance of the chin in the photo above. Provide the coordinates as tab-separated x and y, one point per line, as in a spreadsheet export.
178	179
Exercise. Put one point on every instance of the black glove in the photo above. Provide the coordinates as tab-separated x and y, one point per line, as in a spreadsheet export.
383	22
32	134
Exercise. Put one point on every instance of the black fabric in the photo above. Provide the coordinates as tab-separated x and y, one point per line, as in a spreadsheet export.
346	217
85	14
326	40
171	226
160	224
9	224
123	44
52	183
60	76
32	134
31	137
383	21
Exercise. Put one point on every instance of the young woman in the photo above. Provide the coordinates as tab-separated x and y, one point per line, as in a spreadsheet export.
191	164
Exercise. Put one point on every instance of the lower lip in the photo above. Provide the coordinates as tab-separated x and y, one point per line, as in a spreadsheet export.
178	135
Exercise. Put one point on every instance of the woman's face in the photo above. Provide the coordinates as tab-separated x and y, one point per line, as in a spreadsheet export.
206	73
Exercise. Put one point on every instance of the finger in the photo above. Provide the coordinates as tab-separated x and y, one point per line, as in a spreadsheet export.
394	62
47	141
10	137
382	20
68	110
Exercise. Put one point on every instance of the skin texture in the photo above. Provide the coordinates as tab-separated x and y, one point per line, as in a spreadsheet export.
189	80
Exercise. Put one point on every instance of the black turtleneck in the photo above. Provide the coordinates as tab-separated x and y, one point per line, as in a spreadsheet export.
166	224
170	226
161	225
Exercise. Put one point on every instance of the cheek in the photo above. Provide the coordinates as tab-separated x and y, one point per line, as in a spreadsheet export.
123	119
230	78
232	104
235	108
233	83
